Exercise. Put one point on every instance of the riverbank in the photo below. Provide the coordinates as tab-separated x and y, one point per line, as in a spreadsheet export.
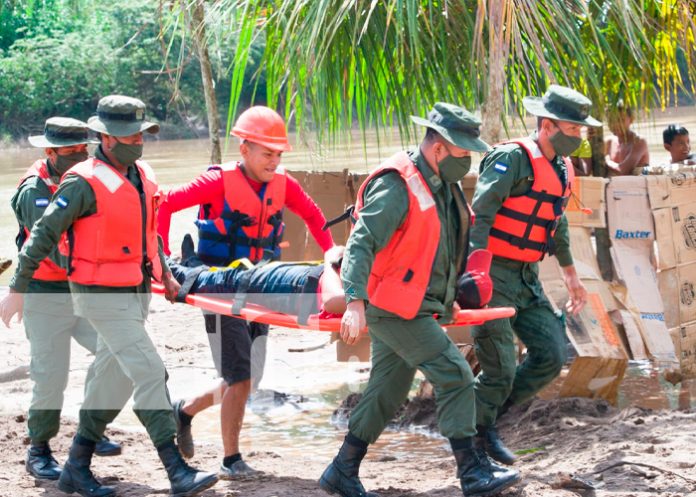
291	437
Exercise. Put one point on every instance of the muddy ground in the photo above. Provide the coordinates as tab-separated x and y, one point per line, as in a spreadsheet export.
630	452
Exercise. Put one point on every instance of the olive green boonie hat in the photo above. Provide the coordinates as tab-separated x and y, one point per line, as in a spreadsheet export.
62	132
456	125
562	104
118	115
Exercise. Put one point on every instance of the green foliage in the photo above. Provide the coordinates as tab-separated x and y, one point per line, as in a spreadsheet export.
335	62
58	57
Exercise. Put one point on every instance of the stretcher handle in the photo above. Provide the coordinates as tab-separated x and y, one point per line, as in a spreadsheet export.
260	314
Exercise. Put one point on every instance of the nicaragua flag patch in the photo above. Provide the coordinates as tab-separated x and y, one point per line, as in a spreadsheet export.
62	202
41	202
500	167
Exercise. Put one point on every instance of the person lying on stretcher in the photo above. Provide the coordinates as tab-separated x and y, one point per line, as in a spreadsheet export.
304	288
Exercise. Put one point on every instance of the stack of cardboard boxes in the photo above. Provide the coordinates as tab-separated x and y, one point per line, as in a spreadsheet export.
650	312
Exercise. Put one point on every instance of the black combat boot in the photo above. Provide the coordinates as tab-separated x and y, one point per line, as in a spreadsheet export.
477	476
40	463
185	480
76	475
341	477
107	448
488	439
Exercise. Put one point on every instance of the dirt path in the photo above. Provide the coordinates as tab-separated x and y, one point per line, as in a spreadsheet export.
559	437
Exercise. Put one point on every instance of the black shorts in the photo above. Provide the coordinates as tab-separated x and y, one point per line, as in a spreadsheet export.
238	348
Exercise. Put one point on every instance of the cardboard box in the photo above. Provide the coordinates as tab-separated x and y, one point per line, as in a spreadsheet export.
674	334
468	185
588	192
642	297
671	189
333	192
592	332
687	344
360	352
584	257
594	377
460	334
633	264
668	283
678	288
628	209
675	229
633	336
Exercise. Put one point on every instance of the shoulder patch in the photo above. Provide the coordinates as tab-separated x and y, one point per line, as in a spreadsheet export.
41	202
500	167
62	202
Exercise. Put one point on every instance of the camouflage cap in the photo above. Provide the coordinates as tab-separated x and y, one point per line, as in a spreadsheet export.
62	132
456	125
563	104
118	115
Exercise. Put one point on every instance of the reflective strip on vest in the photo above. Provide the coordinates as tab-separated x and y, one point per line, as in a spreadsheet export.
107	247
401	271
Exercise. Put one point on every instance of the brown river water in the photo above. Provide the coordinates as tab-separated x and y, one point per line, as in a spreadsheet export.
288	426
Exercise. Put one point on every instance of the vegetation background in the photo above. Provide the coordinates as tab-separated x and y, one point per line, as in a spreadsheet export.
333	65
58	57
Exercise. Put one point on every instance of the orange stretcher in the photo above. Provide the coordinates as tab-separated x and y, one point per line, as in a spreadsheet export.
260	314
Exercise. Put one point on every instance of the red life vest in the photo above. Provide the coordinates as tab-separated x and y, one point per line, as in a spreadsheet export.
524	226
107	248
401	271
250	222
47	270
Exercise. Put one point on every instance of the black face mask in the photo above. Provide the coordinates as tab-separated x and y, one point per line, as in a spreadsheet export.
127	154
563	144
65	162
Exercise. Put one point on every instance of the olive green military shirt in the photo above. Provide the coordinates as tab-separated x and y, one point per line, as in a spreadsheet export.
29	203
385	207
73	200
513	178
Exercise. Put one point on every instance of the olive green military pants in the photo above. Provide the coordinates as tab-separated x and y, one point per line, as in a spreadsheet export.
50	324
399	348
126	363
537	325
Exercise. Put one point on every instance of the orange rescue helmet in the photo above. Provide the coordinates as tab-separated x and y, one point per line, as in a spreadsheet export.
262	125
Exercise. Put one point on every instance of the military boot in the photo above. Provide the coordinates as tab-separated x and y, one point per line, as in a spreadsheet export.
76	475
478	477
487	438
341	477
107	448
40	463
185	480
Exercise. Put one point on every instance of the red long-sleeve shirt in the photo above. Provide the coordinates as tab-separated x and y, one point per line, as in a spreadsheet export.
208	188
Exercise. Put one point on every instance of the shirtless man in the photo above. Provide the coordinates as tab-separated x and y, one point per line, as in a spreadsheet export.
626	151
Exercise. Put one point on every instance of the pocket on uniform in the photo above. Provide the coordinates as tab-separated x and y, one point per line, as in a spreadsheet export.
449	369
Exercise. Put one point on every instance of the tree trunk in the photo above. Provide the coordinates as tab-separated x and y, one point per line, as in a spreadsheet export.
492	109
596	138
197	25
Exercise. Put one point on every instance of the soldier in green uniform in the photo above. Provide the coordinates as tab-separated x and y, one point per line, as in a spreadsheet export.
107	206
520	196
49	321
399	272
